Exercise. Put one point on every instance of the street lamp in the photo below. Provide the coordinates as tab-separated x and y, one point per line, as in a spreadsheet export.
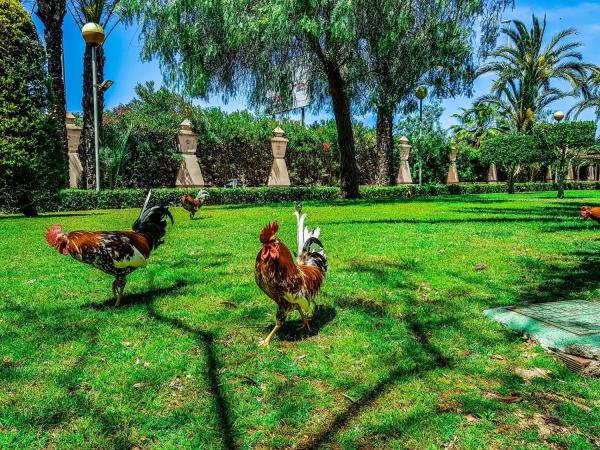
558	116
93	35
421	93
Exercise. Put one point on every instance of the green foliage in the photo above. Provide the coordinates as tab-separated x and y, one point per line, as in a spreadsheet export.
433	145
78	199
510	152
150	123
572	137
32	163
561	142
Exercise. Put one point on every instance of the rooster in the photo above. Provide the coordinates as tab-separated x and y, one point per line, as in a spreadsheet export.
191	204
290	283
117	253
590	213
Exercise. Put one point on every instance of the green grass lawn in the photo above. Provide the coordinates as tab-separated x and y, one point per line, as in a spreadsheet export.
400	356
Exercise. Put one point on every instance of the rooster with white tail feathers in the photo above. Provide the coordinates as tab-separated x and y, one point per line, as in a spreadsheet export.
290	283
193	204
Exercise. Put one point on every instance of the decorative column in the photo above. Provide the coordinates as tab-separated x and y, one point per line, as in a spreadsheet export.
492	175
453	170
591	175
73	135
404	176
570	176
549	177
189	174
279	174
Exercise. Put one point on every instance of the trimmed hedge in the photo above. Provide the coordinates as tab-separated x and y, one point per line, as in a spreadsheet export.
76	199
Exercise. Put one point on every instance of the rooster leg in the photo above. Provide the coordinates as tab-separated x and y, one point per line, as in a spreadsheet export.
114	289
267	340
305	322
120	287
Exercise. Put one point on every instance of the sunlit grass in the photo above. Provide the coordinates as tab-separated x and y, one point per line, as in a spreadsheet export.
401	355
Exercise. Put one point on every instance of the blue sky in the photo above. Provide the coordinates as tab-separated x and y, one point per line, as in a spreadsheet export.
123	64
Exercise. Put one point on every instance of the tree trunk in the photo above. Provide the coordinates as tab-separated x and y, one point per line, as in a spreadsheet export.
86	143
349	181
560	177
510	180
52	14
385	147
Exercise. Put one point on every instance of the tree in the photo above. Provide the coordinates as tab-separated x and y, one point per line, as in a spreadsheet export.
102	12
31	161
52	14
562	142
526	69
590	96
405	44
510	152
478	123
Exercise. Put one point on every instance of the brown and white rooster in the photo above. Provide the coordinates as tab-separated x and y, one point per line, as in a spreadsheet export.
292	283
117	253
191	204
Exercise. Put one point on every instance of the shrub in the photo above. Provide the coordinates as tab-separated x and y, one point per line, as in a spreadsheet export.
77	199
32	162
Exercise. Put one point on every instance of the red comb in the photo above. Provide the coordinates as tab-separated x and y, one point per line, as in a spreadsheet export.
268	232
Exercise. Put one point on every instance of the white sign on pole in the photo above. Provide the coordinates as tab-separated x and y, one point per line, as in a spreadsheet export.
300	88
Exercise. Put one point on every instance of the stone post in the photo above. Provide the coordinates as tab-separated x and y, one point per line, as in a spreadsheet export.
279	174
570	176
549	177
189	174
404	176
492	175
453	170
73	135
591	175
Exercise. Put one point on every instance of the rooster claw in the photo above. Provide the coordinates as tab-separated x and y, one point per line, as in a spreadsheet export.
264	342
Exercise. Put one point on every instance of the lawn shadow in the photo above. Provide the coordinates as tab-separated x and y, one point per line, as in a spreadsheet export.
426	357
555	282
138	298
291	329
207	341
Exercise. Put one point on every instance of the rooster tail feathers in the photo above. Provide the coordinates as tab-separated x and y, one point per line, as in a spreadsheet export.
153	223
310	248
313	254
202	194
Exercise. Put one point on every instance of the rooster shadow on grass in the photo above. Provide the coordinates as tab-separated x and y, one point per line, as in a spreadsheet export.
290	330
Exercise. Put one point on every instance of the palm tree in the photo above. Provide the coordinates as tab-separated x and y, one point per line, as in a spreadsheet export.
102	12
590	96
526	68
478	123
52	14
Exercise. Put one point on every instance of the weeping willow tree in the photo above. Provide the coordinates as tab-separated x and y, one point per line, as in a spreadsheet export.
103	12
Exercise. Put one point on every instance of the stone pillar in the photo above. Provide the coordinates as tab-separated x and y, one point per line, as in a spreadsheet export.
404	176
189	174
73	135
549	177
492	175
591	175
453	170
570	176
279	173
